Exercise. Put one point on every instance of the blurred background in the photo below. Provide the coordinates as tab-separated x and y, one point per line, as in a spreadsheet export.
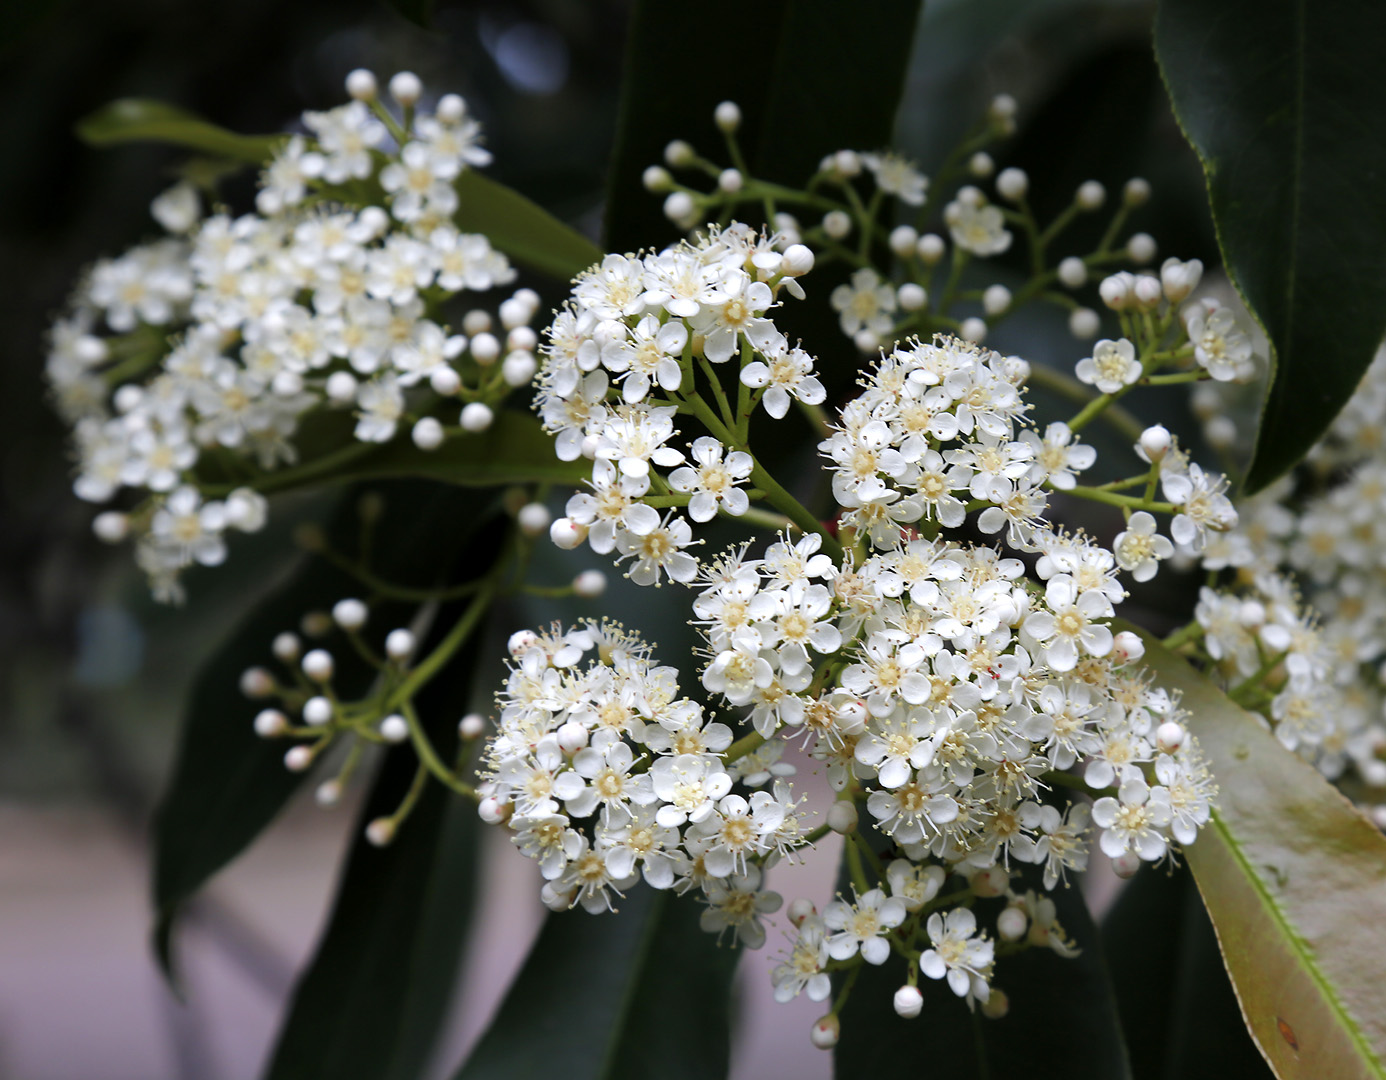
93	675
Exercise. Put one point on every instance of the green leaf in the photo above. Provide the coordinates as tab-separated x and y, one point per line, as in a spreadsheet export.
372	1001
529	234
1179	1014
635	994
143	120
1294	878
228	784
1050	997
1284	102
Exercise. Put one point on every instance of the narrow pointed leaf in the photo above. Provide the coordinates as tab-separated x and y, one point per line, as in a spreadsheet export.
372	1000
1284	102
626	996
525	231
1048	994
1294	878
143	120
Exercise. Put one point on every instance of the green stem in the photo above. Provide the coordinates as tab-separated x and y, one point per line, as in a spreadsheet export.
461	631
428	757
1111	498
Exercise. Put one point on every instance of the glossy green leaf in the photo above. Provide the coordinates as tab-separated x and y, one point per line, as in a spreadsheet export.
1050	998
1179	1014
626	996
372	1001
529	234
227	784
1285	104
1294	878
142	120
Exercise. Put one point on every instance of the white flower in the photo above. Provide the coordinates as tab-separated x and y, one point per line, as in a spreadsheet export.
382	405
712	480
980	230
964	959
898	176
1058	456
804	969
1221	347
1140	548
1133	820
788	374
737	905
863	926
420	184
659	550
865	303
648	357
346	136
1112	366
689	786
189	530
739	313
613	508
1070	622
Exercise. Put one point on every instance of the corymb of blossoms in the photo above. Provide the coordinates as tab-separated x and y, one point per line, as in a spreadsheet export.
932	633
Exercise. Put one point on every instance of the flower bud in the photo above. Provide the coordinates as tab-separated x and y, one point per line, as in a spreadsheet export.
451	108
521	641
298	758
476	417
1126	864
492	811
445	381
1127	647
991	881
911	296
428	434
317	665
518	368
111	527
1141	248
485	349
287	383
1011	924
973	329
930	248
1170	736
381	831
866	341
471	726
1084	323
727	116
315	624
825	1032
1251	614
1136	192
317	711
837	224
589	584
399	644
1116	290
1220	432
800	909
341	388
394	728
847	163
256	683
329	792
533	519
981	165
572	737
908	1002
1147	292
476	322
657	179
798	260
842	816
1073	272
678	154
349	614
1012	184
996	299
406	88
971	195
902	240
730	180
567	533
680	208
1180	278
270	723
1155	442
1090	195
361	85
286	647
1002	107
996	1005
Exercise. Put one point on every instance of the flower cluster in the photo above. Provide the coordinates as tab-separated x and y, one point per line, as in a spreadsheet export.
197	356
606	775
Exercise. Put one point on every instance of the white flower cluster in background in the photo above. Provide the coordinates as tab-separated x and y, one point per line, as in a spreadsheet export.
1310	598
198	355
